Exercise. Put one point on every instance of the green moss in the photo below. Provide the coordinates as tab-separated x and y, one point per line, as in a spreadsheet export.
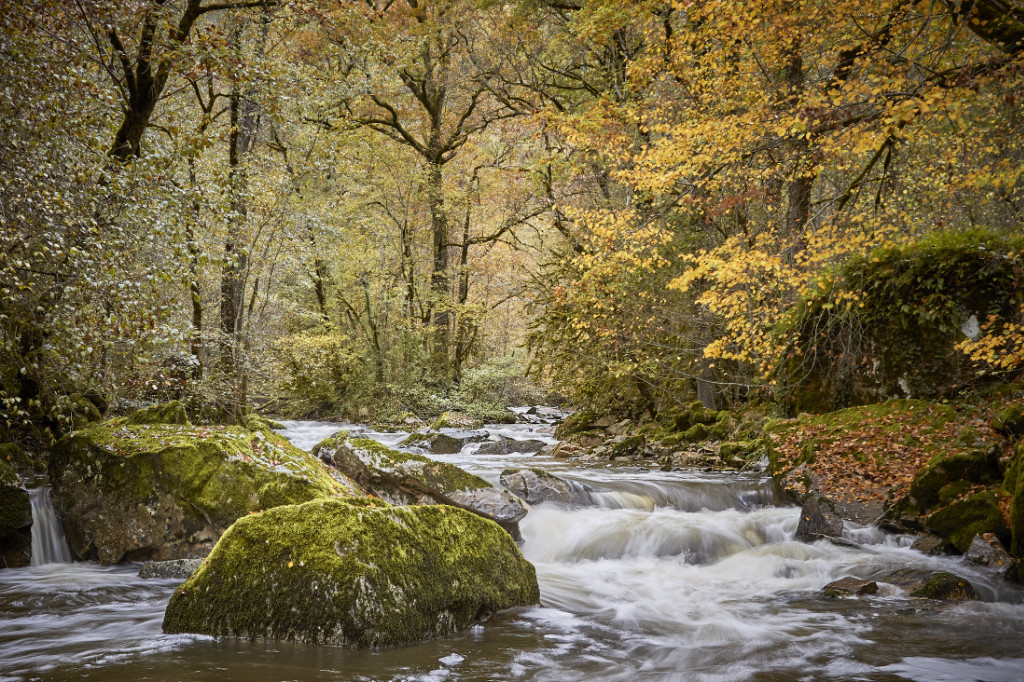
19	459
364	575
697	433
256	422
977	466
165	413
627	446
968	516
1009	421
577	422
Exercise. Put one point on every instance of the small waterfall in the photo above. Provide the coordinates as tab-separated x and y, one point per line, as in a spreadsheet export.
48	543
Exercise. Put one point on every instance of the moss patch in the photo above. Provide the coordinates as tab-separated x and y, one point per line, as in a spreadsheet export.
165	413
365	575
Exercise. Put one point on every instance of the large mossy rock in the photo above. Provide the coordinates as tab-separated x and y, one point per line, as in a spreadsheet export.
1013	485
15	519
361	574
405	478
130	491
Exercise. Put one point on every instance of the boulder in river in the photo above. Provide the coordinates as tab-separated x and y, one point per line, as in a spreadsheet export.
406	478
931	584
536	486
436	443
987	550
15	519
505	446
130	491
849	587
818	520
357	574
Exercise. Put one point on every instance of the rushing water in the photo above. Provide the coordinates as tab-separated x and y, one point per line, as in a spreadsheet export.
655	575
48	543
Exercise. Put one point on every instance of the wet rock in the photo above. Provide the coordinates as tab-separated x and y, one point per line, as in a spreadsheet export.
931	584
179	568
15	519
436	443
505	446
849	587
932	545
536	486
987	550
818	519
620	428
361	574
576	423
136	492
589	440
404	478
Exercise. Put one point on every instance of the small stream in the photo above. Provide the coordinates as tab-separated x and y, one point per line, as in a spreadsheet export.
648	575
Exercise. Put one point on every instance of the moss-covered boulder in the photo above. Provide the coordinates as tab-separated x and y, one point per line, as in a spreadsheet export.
133	492
405	478
578	422
1009	420
969	515
19	459
257	422
15	519
357	575
164	413
1013	485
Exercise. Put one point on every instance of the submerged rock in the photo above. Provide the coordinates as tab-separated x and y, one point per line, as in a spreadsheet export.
849	586
358	574
406	478
536	486
818	519
134	492
178	568
15	519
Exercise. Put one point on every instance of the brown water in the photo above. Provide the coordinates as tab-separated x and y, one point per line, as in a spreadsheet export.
650	576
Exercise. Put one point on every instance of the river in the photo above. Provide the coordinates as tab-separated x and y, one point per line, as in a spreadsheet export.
652	575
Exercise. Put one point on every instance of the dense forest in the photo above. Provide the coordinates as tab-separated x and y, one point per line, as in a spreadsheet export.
368	209
779	236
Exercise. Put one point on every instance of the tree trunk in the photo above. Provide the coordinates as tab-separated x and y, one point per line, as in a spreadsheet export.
439	278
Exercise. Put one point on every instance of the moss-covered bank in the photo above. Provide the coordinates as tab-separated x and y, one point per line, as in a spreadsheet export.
360	574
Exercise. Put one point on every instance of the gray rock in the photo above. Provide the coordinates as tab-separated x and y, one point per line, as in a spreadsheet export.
931	584
818	519
536	486
179	568
930	544
987	550
850	587
403	478
506	446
